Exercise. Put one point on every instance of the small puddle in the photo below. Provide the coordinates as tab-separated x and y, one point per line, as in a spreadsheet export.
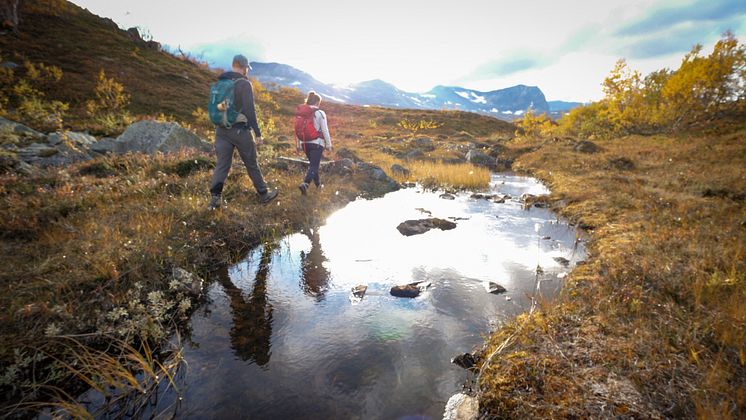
282	336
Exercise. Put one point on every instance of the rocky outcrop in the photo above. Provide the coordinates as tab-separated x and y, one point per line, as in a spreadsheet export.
377	174
418	227
476	157
153	136
12	132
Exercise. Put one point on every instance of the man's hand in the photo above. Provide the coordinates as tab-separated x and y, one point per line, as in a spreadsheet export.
259	141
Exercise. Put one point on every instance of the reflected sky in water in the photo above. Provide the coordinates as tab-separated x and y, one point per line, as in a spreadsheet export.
282	338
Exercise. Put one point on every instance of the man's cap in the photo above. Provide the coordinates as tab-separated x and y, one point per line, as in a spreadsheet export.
242	61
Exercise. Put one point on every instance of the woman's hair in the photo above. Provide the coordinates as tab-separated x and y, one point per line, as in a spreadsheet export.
313	98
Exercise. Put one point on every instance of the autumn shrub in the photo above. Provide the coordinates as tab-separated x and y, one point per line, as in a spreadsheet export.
532	125
23	98
266	107
701	90
108	109
415	126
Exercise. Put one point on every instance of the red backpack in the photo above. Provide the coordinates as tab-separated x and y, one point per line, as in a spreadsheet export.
304	129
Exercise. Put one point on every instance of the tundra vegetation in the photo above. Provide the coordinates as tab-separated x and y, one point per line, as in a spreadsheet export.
94	293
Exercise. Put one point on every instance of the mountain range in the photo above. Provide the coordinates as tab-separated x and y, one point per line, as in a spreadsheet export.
505	104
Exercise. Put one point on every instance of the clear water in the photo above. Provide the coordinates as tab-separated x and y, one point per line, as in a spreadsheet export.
282	336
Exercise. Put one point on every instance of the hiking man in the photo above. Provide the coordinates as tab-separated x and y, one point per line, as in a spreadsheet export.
312	135
237	135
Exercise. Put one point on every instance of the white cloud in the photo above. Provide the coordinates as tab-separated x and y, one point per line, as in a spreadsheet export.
414	44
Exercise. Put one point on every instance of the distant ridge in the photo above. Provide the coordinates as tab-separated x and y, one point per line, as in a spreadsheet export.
505	104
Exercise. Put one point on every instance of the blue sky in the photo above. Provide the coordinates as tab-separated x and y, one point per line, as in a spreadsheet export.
564	47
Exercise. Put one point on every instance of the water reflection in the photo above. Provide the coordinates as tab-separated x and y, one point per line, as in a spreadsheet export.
252	315
314	276
381	357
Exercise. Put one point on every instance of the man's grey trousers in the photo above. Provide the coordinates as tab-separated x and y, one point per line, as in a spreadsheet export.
226	139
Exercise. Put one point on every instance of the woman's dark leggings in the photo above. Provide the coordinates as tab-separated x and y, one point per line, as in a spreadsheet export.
313	153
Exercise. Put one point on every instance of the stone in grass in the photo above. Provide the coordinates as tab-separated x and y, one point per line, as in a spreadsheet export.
420	226
494	288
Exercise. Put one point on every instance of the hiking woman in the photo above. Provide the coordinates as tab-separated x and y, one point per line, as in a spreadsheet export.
312	135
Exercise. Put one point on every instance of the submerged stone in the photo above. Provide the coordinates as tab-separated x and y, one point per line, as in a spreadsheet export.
359	291
420	226
495	288
466	360
406	291
562	261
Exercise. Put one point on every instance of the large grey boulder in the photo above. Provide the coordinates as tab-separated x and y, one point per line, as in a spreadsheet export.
476	157
153	136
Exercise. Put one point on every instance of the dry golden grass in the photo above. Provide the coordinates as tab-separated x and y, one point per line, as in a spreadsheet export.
654	324
431	174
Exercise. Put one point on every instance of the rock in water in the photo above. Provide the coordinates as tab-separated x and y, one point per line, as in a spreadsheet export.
562	261
406	291
466	360
153	136
495	288
461	407
359	291
446	196
417	227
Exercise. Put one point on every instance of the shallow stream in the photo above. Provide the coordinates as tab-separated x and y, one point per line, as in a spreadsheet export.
283	337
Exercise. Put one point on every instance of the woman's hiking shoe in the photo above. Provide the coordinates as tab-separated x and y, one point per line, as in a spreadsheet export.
267	196
303	188
216	202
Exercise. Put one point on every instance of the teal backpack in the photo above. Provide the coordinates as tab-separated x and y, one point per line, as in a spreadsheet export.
221	108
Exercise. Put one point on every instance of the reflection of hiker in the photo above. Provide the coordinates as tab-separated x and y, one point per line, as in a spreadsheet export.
314	276
312	135
252	316
231	109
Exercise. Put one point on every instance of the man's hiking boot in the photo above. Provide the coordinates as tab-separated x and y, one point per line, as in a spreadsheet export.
216	202
268	196
303	188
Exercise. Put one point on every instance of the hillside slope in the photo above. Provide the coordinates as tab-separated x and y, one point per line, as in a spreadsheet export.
82	44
